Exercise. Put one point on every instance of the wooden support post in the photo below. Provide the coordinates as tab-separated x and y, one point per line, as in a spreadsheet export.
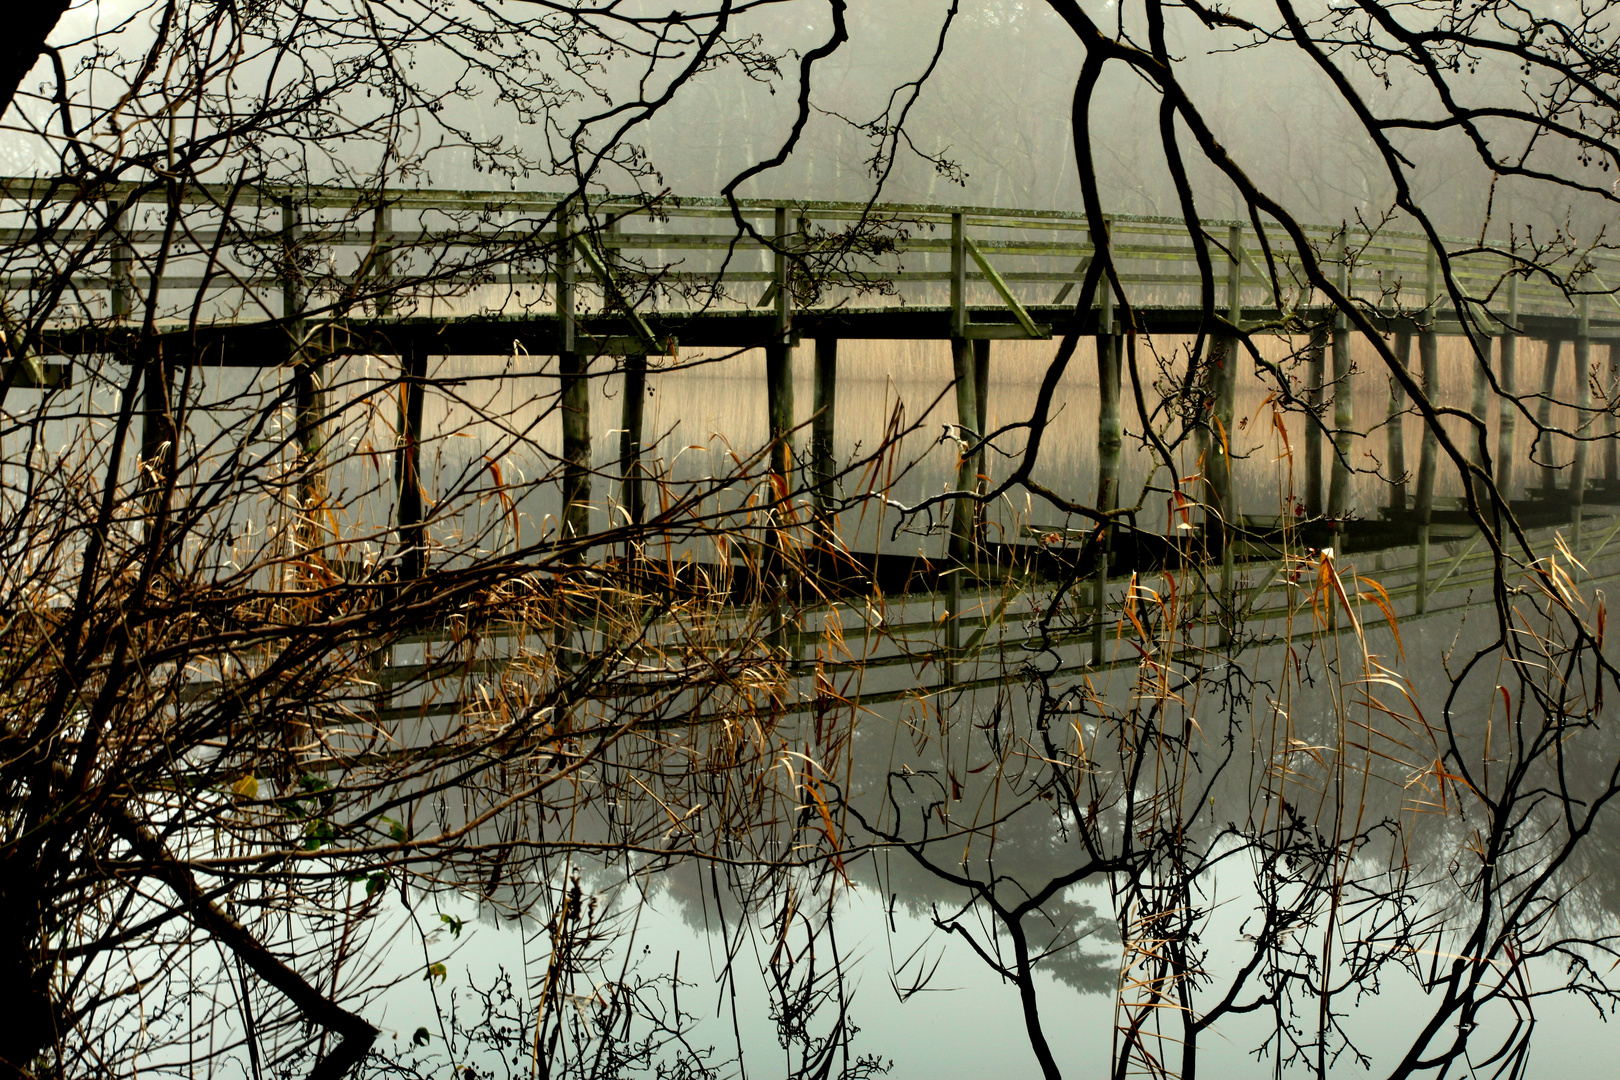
631	495
1344	414
959	548
967	418
779	366
408	462
779	403
1480	343
823	428
967	405
779	407
1429	460
1544	448
1508	408
157	417
1110	447
575	390
1583	417
308	379
1395	426
1225	488
1315	376
981	396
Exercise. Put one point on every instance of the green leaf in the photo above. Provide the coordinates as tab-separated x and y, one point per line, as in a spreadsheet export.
421	1037
453	923
436	971
376	883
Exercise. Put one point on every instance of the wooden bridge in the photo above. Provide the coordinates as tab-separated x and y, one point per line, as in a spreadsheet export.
293	278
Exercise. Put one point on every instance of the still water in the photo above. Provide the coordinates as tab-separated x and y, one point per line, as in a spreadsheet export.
1345	854
1195	844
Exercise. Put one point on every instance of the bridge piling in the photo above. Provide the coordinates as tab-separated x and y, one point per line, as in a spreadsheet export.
1508	375
981	398
1479	406
408	463
823	423
779	409
575	395
1429	452
1315	376
779	363
1344	416
1110	449
1544	446
1395	429
308	380
1225	490
631	437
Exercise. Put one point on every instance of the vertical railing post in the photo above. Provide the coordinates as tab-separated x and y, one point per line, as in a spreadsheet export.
1508	407
121	283
575	391
1429	461
1110	448
382	275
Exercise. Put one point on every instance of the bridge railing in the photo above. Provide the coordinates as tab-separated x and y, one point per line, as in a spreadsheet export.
226	256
